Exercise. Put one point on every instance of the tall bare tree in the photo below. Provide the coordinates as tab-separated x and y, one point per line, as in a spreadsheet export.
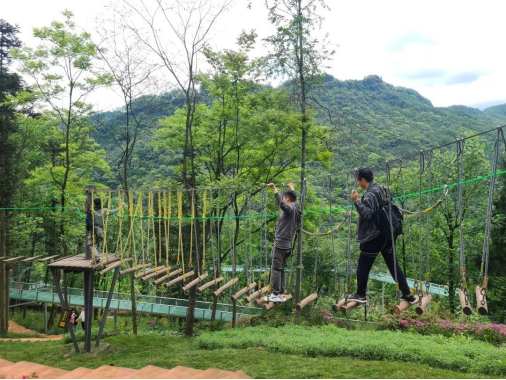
176	32
124	58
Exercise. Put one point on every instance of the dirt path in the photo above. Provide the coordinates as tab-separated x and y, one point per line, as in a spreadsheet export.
18	329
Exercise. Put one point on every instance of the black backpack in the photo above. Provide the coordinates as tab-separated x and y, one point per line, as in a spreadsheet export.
382	217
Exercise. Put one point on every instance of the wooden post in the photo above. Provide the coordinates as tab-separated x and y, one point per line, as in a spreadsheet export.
88	302
481	300
56	281
346	307
4	273
115	320
306	301
464	302
403	305
107	305
423	304
89	190
45	317
338	305
209	284
234	312
215	305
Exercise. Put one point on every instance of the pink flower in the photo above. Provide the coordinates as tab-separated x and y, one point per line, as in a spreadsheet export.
24	377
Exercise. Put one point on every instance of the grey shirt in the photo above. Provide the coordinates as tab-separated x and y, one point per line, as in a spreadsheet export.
288	222
367	209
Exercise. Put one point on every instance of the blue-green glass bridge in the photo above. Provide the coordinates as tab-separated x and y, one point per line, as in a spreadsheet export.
172	307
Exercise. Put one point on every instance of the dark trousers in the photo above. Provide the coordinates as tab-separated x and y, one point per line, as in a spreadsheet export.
279	260
82	325
368	253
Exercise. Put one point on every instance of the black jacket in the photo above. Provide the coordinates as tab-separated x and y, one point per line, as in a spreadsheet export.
367	209
288	223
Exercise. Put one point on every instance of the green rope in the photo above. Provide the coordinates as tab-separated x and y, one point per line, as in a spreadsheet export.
342	208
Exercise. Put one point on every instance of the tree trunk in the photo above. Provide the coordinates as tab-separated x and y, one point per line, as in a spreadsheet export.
4	272
451	274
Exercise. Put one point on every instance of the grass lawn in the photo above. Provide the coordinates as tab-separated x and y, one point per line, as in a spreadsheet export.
136	352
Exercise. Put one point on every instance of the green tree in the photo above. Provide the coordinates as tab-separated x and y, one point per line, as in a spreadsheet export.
10	84
62	67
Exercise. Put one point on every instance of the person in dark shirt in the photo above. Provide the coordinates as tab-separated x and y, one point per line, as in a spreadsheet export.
288	223
371	240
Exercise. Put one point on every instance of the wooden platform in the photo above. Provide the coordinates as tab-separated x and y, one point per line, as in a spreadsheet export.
79	263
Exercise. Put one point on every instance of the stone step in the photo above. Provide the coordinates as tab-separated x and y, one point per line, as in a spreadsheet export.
212	373
110	372
78	373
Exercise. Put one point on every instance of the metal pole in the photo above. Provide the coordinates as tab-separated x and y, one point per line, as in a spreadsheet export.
56	282
107	305
45	317
89	190
88	305
299	253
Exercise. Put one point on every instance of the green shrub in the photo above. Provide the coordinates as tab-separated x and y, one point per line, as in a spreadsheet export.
456	353
80	335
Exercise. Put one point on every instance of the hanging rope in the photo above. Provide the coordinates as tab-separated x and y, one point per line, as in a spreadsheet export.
192	210
408	227
488	220
92	208
427	228
347	285
180	247
160	215
167	215
420	213
334	256
389	196
460	164
315	270
204	222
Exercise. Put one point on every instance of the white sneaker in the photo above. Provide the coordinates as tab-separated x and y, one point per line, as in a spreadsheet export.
282	297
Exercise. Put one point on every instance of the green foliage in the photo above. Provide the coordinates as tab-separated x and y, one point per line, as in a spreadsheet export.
80	335
441	352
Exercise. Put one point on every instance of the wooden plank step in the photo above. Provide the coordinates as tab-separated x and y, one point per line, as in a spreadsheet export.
78	373
13	259
49	258
181	372
212	373
110	372
31	259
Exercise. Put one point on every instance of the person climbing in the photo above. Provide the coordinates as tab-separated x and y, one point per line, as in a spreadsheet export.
288	223
95	223
372	240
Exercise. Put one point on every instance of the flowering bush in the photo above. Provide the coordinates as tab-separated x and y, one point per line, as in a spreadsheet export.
432	325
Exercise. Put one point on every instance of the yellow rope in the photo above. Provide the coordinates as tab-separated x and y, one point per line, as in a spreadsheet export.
106	250
130	238
151	223
159	228
166	225
92	208
204	211
191	230
180	250
119	241
141	215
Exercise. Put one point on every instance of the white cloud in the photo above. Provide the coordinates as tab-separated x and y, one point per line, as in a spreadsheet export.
449	51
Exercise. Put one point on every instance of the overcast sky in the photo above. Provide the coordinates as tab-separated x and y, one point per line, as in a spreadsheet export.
451	52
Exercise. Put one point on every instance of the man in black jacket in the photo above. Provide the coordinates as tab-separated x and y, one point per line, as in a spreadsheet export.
288	222
371	240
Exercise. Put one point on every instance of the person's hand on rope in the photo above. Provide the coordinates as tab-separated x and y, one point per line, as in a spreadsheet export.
272	187
290	185
354	195
122	205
